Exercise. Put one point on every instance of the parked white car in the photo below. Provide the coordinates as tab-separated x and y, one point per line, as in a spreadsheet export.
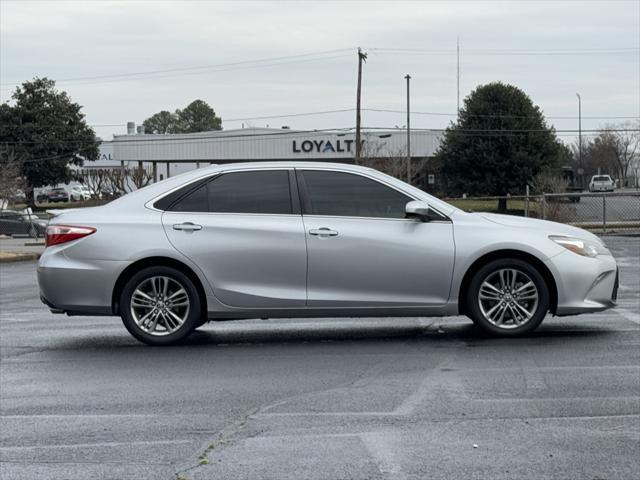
601	183
79	193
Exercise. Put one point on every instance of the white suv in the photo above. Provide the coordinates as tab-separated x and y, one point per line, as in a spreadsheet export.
80	193
601	183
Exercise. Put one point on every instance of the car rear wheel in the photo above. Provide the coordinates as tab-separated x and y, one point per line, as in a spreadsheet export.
507	297
160	306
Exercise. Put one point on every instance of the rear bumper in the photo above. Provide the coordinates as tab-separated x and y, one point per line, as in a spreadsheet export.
77	286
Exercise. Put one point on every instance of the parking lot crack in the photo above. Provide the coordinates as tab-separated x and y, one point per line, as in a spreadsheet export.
223	438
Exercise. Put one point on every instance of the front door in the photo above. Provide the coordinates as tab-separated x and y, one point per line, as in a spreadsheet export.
361	250
241	230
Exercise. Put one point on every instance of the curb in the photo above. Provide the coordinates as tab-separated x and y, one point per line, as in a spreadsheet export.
20	257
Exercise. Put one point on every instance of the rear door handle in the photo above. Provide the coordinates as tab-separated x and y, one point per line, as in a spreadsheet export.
323	232
187	226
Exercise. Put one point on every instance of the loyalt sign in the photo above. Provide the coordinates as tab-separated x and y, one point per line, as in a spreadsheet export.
324	146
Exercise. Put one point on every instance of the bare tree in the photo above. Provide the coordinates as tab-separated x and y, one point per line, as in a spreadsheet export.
95	179
376	155
116	180
11	181
627	148
614	150
548	182
141	177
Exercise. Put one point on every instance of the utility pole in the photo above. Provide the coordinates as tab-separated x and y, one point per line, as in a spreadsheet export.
408	78
458	73
581	172
361	57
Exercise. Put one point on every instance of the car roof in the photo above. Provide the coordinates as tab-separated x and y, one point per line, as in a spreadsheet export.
152	191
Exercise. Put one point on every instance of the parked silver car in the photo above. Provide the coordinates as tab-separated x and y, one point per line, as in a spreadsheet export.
312	240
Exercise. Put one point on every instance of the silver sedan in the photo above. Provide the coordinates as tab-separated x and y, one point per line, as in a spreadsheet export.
300	239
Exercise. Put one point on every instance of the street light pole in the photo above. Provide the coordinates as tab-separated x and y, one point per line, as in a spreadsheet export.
458	73
361	57
580	139
408	78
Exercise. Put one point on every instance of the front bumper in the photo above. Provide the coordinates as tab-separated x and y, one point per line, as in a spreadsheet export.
584	284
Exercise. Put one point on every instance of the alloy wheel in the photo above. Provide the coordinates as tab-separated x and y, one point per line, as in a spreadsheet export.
159	305
508	298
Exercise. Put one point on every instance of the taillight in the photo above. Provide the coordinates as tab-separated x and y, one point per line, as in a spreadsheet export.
57	234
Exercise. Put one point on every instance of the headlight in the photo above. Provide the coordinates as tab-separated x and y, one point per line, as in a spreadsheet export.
585	248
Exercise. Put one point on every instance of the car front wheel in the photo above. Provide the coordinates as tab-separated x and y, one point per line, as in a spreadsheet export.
160	306
507	297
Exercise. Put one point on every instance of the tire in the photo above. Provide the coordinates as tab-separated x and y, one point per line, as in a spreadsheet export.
148	318
498	311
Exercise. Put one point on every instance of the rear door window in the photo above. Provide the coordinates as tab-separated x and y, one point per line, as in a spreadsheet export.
263	191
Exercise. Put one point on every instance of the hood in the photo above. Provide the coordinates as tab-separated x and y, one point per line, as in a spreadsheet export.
550	228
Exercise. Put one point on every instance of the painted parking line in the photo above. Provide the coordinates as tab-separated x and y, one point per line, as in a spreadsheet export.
628	315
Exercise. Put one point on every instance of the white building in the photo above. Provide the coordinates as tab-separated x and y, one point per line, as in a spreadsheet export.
170	154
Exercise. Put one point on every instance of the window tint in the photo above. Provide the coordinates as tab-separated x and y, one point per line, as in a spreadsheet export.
167	201
196	201
251	192
349	195
240	192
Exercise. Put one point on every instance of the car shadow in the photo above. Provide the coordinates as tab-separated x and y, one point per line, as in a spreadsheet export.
253	334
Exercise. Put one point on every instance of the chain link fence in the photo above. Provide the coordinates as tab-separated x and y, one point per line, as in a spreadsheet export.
610	212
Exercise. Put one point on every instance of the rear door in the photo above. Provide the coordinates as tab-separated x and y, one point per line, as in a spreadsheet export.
245	233
362	252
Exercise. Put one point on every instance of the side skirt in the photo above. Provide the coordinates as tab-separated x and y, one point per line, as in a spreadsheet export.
440	311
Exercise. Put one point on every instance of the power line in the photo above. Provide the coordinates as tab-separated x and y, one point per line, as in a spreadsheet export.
524	130
258	63
498	51
142	141
444	114
288	115
321	55
347	110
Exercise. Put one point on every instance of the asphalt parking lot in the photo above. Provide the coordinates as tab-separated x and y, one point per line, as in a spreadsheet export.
320	399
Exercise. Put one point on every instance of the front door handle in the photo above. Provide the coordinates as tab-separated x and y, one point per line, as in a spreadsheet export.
323	232
187	226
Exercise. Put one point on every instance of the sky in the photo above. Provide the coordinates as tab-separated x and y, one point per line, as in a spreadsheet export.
126	60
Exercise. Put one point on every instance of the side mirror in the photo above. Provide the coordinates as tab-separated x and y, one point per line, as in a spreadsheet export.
419	210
